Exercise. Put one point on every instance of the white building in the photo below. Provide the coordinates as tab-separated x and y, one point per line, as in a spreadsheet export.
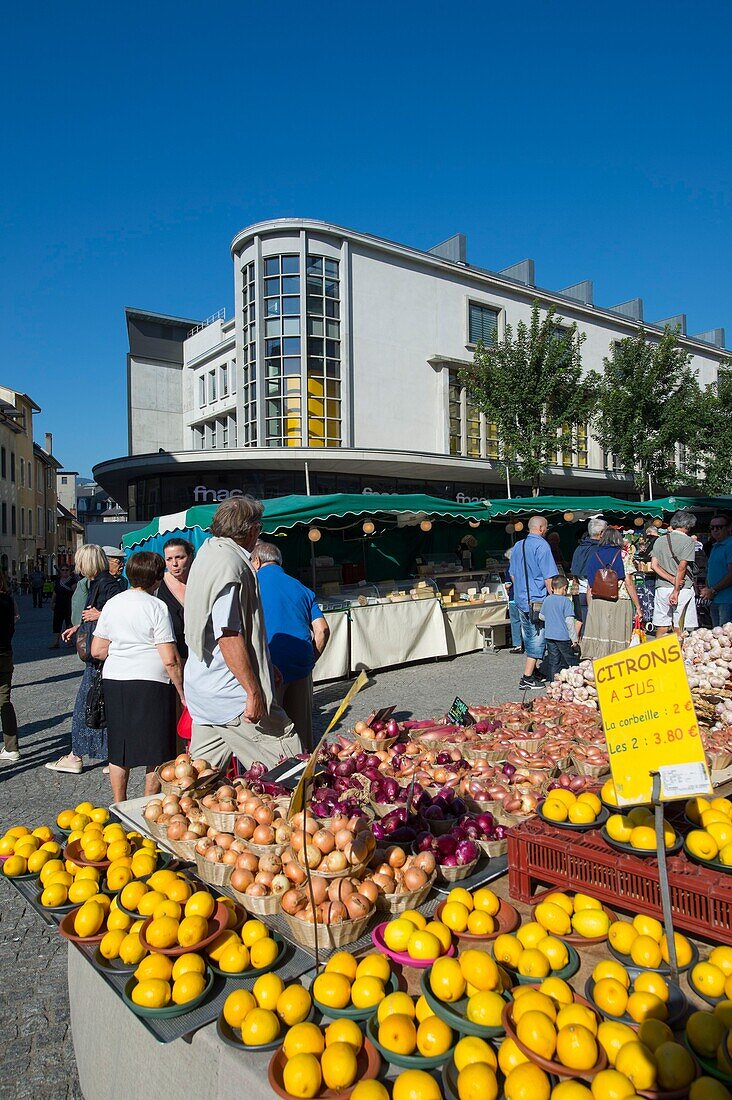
338	370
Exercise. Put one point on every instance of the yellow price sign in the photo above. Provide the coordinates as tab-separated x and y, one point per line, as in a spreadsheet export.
650	723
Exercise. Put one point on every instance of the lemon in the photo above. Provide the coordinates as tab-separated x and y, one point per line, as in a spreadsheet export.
455	915
553	918
54	895
399	1004
188	987
374	1090
477	1082
533	964
608	1084
533	1001
14	866
151	993
486	901
189	963
155	966
479	969
89	919
302	1076
110	945
423	945
446	980
577	1014
189	932
367	992
485	1008
260	1026
610	968
237	1006
398	1033
509	1056
471	1049
344	1031
676	1067
263	952
527	1082
131	950
638	1064
338	1065
268	988
80	892
591	923
293	1005
652	1033
343	962
530	934
202	904
418	920
252	931
559	991
305	1038
577	1047
443	933
554	950
612	1036
373	966
571	1090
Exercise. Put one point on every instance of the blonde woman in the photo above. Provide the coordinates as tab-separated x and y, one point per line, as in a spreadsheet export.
90	563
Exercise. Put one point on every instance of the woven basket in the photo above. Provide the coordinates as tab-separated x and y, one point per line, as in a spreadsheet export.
368	811
215	874
491	756
397	903
328	935
381	809
167	786
224	823
456	874
493	848
492	806
160	832
370	744
268	906
594	771
184	849
260	850
719	761
441	828
352	871
528	744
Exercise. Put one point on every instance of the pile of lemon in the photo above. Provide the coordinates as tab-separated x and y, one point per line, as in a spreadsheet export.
317	1059
644	941
638	829
556	1030
531	952
708	1034
473	974
563	805
236	952
64	883
713	977
347	983
259	1015
122	939
563	914
413	934
27	851
76	819
163	888
162	980
406	1027
713	839
643	998
473	913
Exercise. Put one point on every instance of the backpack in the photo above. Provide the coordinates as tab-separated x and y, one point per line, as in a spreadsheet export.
605	586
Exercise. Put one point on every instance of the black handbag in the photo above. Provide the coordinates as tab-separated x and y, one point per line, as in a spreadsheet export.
95	711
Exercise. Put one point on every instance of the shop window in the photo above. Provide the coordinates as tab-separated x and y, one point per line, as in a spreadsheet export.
224	379
201	391
482	323
212	385
470	433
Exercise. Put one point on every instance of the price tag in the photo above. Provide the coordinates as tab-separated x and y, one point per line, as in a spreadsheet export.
459	713
649	720
380	715
684	780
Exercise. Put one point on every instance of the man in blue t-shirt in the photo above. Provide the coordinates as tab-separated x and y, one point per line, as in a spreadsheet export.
719	572
532	561
297	634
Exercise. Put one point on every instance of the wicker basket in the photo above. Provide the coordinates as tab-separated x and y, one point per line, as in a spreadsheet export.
328	936
160	832
528	744
493	848
397	903
491	756
184	849
456	874
168	786
441	828
215	874
370	744
260	850
224	823
268	906
368	811
493	806
352	871
594	771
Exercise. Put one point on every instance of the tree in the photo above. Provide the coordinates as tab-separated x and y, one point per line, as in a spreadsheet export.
530	385
648	401
716	457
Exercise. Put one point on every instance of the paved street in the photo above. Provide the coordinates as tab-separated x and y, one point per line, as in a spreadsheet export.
37	1057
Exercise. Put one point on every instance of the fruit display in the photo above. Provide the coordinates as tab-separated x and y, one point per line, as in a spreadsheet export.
411	936
253	949
646	995
26	852
474	914
351	987
711	840
312	1058
642	942
577	917
562	806
403	1039
473	983
637	830
534	955
712	978
160	981
260	1017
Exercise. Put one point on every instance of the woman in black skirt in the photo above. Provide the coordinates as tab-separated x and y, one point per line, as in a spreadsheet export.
142	672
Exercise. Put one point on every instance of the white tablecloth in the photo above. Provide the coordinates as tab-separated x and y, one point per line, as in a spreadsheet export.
396	633
335	662
461	627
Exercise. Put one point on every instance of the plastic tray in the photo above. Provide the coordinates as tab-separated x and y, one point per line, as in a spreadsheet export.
709	1067
566	972
349	1012
573	938
599	820
454	1013
216	925
676	1004
401	957
228	1036
546	1064
405	1061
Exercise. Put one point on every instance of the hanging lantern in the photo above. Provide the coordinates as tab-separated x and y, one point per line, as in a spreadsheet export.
368	527
518	526
569	517
473	523
639	521
658	523
314	534
426	525
510	528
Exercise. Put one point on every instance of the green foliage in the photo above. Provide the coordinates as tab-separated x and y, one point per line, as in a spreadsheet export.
716	435
530	385
648	400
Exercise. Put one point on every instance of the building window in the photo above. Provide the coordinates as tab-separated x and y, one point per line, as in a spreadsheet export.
323	352
282	351
22	471
211	435
198	441
482	323
582	447
39	518
30	521
49	520
3	462
456	415
249	355
13	520
12	465
4	518
224	379
22	521
212	385
470	433
48	477
224	432
201	391
64	481
30	475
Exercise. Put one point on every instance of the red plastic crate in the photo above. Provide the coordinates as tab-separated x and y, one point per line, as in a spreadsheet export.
701	899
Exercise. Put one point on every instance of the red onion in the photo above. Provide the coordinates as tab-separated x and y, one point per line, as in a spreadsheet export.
466	852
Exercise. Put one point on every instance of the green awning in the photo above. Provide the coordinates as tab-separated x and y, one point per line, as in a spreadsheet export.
581	507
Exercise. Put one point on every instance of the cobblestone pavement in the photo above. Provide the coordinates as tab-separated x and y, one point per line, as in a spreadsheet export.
37	1052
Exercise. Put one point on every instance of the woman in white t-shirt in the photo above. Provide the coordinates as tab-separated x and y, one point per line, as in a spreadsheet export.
142	672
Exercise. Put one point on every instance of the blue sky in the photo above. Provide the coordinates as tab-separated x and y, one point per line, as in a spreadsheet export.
138	139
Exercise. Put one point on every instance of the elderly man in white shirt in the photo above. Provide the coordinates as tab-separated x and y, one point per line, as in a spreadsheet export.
229	679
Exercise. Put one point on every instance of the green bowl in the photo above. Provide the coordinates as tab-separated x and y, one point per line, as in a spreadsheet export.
565	973
709	1068
405	1061
254	973
228	1036
57	909
170	1010
450	1079
712	864
677	1004
351	1013
664	968
454	1014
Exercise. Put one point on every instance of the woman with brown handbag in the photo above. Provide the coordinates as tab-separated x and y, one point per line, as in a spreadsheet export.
611	597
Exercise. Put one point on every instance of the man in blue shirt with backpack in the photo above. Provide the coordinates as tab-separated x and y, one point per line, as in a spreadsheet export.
531	571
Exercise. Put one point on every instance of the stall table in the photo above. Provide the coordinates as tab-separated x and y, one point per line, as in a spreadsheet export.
462	625
385	634
335	662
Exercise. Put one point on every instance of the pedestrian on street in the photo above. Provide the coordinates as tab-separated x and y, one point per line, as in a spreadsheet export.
36	583
142	673
582	554
532	568
93	565
178	554
63	591
609	623
560	628
673	561
718	588
517	642
297	633
9	616
229	679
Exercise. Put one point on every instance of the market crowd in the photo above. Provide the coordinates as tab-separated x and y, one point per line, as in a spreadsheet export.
618	587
